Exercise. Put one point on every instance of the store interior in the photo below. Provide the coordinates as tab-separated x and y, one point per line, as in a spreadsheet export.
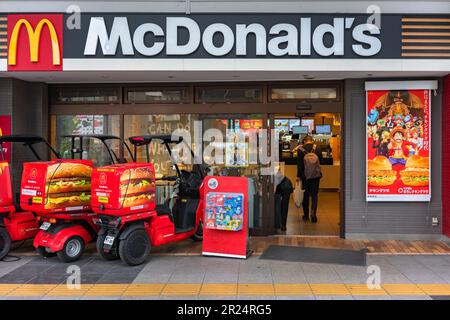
325	128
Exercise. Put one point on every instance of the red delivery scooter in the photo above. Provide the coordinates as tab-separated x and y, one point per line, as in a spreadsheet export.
131	222
67	219
15	224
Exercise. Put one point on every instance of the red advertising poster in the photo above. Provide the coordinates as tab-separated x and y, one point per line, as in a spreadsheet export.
398	145
5	129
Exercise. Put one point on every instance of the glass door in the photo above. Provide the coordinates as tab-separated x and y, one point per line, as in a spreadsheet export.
232	146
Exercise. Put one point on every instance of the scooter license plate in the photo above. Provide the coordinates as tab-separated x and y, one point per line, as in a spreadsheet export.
109	240
45	225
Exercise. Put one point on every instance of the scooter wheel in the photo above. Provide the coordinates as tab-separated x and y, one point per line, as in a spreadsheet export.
134	249
198	235
5	243
72	250
113	254
44	252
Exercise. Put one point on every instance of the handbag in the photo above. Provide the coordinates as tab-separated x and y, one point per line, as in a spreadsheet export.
298	194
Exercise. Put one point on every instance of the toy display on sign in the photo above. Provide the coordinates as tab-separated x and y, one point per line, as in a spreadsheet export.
398	145
226	217
224	211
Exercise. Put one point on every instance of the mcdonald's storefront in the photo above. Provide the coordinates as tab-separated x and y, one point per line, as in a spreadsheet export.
368	87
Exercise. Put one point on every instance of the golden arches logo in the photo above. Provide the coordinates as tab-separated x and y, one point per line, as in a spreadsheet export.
34	36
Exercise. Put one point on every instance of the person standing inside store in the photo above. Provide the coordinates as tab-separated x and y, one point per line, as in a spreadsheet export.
283	191
309	173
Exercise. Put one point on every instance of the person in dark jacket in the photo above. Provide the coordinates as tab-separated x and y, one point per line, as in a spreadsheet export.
311	186
283	192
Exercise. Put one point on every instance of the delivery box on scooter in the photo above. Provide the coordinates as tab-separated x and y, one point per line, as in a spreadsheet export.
123	188
56	186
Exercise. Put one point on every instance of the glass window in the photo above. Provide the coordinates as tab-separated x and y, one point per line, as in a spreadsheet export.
237	157
220	94
303	93
92	149
155	95
73	95
159	156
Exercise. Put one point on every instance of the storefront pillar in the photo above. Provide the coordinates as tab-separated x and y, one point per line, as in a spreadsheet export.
446	157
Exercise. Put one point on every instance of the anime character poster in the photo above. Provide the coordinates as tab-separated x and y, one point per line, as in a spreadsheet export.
398	145
5	129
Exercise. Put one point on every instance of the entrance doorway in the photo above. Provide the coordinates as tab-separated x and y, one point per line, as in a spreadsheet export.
237	162
325	130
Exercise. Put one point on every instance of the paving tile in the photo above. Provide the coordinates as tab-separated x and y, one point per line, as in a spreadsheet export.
144	290
257	289
351	274
7	267
208	297
256	297
36	290
152	278
293	297
435	289
181	289
364	290
330	289
334	297
382	297
255	278
106	290
187	278
402	289
21	298
63	290
223	289
394	278
48	279
421	274
287	289
221	277
6	288
90	278
410	297
16	278
53	298
433	260
320	273
176	297
105	297
116	279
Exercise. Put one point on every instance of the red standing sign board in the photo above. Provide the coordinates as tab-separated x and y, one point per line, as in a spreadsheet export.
225	220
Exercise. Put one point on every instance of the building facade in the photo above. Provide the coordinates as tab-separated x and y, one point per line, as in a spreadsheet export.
152	67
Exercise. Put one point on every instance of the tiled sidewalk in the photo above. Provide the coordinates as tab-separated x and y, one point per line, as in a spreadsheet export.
196	277
260	244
